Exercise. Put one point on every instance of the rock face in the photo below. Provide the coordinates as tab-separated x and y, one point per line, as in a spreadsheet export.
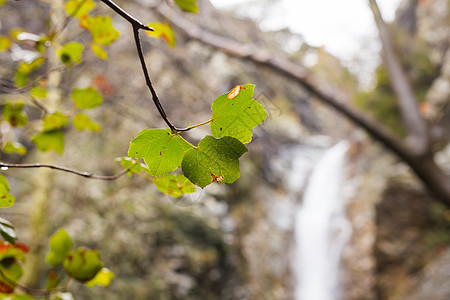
434	284
402	217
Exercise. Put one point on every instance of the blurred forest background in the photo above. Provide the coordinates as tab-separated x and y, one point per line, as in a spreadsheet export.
235	241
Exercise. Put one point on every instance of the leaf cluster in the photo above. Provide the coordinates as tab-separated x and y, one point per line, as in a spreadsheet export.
83	265
215	158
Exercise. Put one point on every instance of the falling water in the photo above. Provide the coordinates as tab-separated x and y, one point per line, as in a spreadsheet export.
321	229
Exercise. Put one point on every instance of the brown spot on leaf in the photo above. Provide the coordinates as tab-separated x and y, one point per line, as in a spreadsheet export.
216	178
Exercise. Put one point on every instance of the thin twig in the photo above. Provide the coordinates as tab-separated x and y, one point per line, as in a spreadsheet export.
148	81
136	26
64	169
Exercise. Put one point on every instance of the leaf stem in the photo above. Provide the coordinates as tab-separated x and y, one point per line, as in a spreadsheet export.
68	170
195	147
194	126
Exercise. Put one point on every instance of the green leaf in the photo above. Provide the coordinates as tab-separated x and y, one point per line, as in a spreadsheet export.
83	264
188	5
20	79
86	98
7	231
5	43
71	53
54	121
101	28
134	165
4	182
103	278
79	8
12	270
50	140
26	67
99	51
164	31
84	122
213	160
38	92
60	245
162	151
14	147
2	2
13	113
52	280
6	198
236	113
175	185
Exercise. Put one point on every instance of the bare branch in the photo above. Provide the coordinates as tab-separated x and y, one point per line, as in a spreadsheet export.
148	81
68	170
136	26
415	124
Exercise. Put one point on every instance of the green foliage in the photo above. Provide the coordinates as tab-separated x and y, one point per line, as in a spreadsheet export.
236	113
216	158
83	122
133	165
13	113
11	256
38	92
79	8
86	98
6	198
102	278
53	280
14	147
99	51
83	264
71	53
49	140
213	160
188	5
55	121
5	43
162	150
175	185
60	245
101	28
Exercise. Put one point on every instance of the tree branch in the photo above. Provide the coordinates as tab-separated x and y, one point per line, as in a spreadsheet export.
136	26
68	170
289	69
418	137
421	161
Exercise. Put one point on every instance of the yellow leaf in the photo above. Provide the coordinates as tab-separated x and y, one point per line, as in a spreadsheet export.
164	31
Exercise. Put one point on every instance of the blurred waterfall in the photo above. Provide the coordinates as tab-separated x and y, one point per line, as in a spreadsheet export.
321	229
